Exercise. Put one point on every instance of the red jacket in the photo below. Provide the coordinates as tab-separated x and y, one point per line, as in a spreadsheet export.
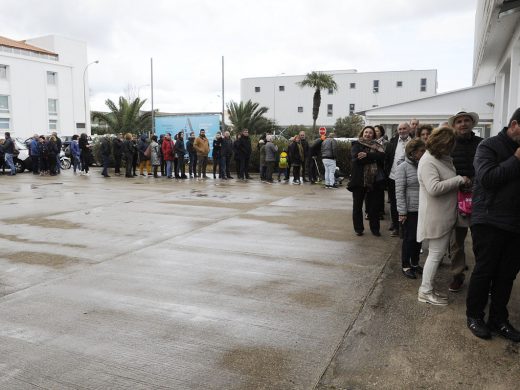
168	150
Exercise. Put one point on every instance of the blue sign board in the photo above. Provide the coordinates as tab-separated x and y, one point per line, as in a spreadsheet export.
188	122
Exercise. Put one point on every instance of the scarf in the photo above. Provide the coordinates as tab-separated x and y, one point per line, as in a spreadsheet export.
370	170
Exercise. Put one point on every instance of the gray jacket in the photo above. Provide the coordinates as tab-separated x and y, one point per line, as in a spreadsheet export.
328	148
271	151
407	187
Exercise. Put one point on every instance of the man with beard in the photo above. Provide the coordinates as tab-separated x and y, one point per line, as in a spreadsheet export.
306	157
201	146
463	153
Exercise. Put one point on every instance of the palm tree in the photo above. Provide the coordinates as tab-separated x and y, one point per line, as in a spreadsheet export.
127	117
249	116
318	81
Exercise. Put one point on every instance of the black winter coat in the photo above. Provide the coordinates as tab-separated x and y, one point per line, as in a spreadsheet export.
464	153
117	147
496	188
305	146
227	147
390	154
294	155
243	146
357	166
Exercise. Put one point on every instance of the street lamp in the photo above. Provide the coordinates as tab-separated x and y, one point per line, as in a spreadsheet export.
85	90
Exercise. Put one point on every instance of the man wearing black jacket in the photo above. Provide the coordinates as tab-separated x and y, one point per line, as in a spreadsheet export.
244	154
495	229
117	149
306	157
394	155
463	153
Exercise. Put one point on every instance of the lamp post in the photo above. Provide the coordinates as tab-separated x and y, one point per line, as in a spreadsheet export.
85	89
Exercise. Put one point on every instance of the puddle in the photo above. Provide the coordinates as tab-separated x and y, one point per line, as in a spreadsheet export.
44	259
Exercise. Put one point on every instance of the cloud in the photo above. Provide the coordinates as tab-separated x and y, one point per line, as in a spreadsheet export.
258	38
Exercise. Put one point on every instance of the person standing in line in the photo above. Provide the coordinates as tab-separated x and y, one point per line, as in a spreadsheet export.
226	154
155	155
328	156
9	151
216	154
34	151
262	167
463	154
59	146
105	155
244	150
407	195
271	152
44	163
128	152
144	160
84	153
75	153
314	153
201	146
414	128
117	150
163	162
367	180
236	154
180	152
394	155
192	155
306	157
495	229
296	157
135	157
168	151
438	186
53	151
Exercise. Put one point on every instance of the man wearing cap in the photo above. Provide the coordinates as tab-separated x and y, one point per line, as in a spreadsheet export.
463	154
495	229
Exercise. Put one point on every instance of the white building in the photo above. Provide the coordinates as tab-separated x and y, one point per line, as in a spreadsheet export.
496	56
42	86
289	104
495	93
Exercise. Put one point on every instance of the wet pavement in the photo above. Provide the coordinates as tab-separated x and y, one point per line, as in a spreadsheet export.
152	283
161	284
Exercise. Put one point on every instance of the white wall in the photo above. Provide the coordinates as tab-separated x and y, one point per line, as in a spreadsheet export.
283	105
29	91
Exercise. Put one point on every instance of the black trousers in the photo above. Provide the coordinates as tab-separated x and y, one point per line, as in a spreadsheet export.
305	168
35	161
180	169
193	164
410	249
359	194
226	161
393	203
117	163
244	167
296	172
129	165
497	262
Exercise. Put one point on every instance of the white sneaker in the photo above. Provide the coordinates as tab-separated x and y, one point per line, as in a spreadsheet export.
432	299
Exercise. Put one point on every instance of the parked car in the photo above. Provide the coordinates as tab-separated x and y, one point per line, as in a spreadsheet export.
23	161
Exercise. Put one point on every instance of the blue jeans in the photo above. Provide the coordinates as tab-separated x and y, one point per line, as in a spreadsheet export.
58	163
76	163
9	160
106	161
169	168
330	169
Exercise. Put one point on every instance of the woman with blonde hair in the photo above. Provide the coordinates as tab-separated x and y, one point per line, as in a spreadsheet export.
438	186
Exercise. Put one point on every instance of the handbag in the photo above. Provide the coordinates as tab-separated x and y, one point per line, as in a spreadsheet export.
148	151
464	202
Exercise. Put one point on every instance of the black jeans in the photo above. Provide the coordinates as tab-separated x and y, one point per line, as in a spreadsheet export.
128	166
180	168
497	262
410	249
358	195
216	165
393	203
35	161
296	172
244	167
117	163
192	168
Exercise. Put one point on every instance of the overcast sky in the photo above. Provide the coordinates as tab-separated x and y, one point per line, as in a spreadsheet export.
187	38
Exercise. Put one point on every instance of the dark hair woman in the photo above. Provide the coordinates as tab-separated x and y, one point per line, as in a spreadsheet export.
367	179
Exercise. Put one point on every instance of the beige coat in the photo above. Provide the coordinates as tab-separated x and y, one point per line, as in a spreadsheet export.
201	146
437	196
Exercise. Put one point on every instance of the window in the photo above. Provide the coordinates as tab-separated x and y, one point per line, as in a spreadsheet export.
331	91
53	106
300	109
399	84
257	89
329	109
4	103
51	78
53	124
375	86
281	88
423	85
4	123
3	71
351	108
352	85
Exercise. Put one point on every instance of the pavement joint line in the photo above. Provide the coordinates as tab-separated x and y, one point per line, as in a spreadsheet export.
358	313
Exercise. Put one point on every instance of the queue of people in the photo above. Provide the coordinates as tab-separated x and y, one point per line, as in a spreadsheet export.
442	183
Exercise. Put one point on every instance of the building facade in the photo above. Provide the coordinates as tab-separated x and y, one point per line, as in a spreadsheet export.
289	104
42	88
496	56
